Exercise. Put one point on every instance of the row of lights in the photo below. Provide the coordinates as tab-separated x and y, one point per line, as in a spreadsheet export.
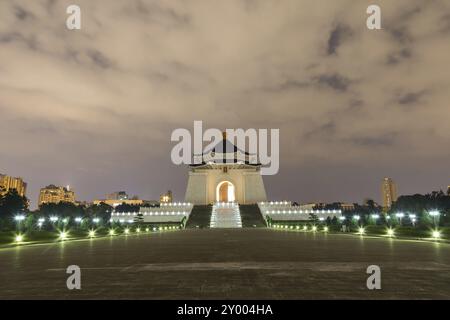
436	234
275	203
172	204
163	213
64	235
304	228
302	211
54	219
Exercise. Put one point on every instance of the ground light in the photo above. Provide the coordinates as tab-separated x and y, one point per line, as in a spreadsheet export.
390	232
127	231
147	229
436	234
325	229
314	228
91	233
361	230
19	238
305	228
138	230
111	232
63	235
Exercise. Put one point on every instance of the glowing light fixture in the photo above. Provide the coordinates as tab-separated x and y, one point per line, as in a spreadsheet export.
127	231
390	232
325	229
138	230
361	230
356	217
91	233
19	217
111	232
436	234
434	213
314	228
19	238
78	219
63	235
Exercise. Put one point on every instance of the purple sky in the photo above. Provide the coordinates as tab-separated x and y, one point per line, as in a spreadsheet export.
95	108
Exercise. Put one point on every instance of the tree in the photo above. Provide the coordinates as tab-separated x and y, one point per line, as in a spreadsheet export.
11	204
101	210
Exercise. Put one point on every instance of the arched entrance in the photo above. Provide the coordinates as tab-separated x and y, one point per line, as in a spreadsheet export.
225	192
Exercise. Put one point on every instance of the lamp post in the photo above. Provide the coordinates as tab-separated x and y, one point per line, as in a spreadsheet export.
19	219
435	214
413	219
399	217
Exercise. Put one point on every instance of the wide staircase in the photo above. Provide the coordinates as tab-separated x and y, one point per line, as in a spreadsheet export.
225	215
200	217
251	216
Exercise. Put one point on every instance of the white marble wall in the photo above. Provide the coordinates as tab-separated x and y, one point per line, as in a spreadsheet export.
248	184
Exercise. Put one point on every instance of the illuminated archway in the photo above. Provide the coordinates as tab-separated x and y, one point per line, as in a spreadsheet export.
225	192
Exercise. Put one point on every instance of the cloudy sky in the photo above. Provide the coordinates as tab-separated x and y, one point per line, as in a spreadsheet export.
95	108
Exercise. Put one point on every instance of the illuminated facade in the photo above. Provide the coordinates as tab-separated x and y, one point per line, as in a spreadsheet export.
8	183
225	174
55	194
117	202
388	192
166	197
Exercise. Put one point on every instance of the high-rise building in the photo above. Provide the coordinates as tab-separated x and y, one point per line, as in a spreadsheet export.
166	197
55	194
118	195
8	183
388	192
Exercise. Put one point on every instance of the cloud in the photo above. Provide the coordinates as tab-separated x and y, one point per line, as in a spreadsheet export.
95	108
337	36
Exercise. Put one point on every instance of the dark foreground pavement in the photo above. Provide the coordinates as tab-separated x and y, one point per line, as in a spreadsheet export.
227	264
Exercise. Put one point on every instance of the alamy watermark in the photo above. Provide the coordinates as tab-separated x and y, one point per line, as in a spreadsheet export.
252	146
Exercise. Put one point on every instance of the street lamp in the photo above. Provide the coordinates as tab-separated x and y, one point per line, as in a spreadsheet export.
53	219
96	220
78	219
399	217
435	214
413	218
19	217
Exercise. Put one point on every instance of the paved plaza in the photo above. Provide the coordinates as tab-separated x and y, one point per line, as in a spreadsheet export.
227	264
